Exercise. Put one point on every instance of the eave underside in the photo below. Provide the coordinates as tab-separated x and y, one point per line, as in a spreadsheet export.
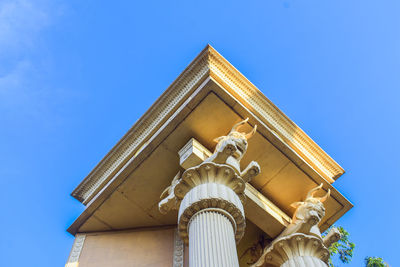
209	64
170	124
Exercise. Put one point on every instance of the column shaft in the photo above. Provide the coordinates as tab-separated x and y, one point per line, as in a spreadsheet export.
212	240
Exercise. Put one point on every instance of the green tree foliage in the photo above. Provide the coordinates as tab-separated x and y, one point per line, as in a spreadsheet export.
375	262
343	248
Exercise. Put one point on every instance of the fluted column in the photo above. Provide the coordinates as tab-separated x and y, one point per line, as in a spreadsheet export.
211	216
211	240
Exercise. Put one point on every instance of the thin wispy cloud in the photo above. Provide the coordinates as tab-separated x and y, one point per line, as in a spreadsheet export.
20	23
24	90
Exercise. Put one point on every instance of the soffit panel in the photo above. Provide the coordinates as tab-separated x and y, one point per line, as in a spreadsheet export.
94	224
292	186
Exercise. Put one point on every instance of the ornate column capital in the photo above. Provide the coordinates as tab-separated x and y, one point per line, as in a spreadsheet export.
294	247
211	186
301	244
216	184
210	173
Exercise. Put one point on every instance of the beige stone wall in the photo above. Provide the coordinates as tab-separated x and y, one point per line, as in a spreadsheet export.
145	247
148	247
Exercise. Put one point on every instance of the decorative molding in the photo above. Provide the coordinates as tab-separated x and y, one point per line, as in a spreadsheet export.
208	63
73	259
217	197
209	172
179	250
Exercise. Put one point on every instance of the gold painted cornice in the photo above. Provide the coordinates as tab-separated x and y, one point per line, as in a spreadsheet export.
209	63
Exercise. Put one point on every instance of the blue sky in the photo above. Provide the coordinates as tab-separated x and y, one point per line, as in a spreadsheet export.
75	75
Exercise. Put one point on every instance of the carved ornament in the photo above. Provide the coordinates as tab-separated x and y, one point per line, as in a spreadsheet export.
218	183
301	242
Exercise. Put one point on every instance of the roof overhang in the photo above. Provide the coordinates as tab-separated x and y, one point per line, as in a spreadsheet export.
207	98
